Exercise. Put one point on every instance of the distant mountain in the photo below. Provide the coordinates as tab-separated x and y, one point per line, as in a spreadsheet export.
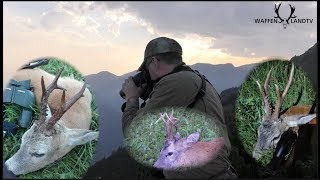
224	76
308	61
105	88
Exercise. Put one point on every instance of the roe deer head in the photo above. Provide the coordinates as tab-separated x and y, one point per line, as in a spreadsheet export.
185	152
272	125
53	135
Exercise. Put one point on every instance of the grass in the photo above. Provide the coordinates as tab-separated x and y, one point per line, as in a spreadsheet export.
78	160
249	110
144	138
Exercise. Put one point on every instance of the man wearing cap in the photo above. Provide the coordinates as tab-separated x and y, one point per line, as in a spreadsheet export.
173	87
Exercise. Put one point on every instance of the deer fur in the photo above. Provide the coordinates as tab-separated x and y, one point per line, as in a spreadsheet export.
185	152
273	125
40	147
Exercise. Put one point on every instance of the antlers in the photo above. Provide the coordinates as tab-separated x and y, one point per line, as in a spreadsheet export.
292	8
45	95
64	105
172	121
281	97
276	9
264	94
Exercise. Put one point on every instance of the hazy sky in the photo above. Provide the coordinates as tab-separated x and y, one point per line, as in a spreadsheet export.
111	36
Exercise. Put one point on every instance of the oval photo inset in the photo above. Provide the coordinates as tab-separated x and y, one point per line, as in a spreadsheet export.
275	99
50	123
174	138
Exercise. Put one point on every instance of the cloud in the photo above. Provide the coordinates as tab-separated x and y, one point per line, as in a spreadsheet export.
114	15
114	28
88	22
215	32
56	20
197	48
119	15
66	15
230	23
23	23
76	9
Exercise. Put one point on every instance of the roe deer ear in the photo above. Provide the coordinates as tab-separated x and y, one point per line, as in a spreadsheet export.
77	137
192	138
296	120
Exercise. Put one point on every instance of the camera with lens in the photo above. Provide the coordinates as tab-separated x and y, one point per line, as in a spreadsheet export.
142	78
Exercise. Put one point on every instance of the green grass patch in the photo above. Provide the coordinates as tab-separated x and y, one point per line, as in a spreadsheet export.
249	109
145	137
78	160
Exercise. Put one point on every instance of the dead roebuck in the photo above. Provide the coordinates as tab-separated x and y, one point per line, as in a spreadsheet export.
185	152
53	136
273	125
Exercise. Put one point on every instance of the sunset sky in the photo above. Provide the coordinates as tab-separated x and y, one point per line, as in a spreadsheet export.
111	36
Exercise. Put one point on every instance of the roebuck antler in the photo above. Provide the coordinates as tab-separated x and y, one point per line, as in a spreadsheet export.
185	152
272	125
53	136
170	123
64	106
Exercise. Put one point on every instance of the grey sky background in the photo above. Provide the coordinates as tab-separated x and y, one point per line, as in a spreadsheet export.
231	23
111	36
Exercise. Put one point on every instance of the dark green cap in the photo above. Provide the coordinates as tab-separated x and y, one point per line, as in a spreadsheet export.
158	46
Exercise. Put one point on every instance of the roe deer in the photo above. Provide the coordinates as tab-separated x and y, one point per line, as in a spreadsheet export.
273	125
53	135
185	152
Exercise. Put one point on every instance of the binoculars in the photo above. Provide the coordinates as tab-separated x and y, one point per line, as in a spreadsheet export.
20	93
139	79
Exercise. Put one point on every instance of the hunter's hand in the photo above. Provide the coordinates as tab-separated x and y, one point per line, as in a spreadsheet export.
130	89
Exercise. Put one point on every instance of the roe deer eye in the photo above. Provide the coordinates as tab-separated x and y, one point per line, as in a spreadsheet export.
169	154
37	155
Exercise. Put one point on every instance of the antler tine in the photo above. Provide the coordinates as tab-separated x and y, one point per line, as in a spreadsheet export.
292	9
266	82
169	130
45	96
281	97
162	117
43	103
76	97
168	125
264	94
276	9
65	106
173	119
54	84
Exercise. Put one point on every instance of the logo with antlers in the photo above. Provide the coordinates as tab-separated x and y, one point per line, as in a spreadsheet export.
285	21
